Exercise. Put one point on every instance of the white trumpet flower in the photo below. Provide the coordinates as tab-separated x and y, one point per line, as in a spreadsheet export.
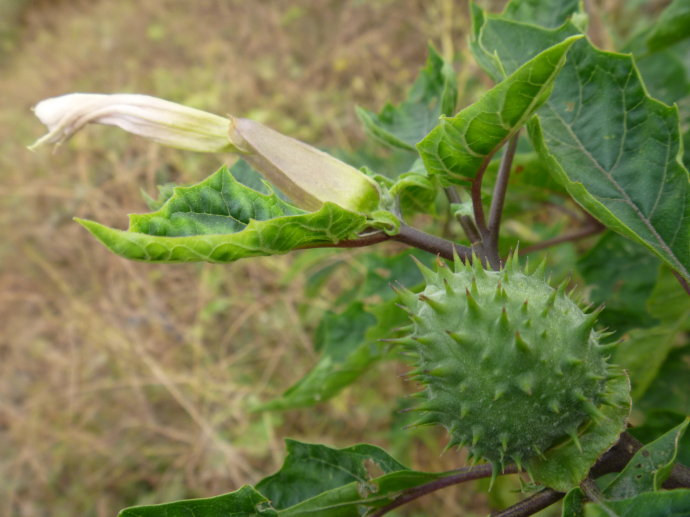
159	120
308	176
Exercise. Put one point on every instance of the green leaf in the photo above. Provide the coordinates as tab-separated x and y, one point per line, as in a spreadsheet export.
545	13
670	390
574	504
656	423
621	274
416	191
670	503
666	73
245	502
318	480
643	352
353	499
346	355
459	146
434	93
221	220
616	150
566	465
310	469
672	26
649	467
669	302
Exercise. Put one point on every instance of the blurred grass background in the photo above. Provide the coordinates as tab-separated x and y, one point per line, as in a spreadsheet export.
124	383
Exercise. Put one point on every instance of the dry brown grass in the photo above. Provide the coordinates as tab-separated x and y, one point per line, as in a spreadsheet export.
124	383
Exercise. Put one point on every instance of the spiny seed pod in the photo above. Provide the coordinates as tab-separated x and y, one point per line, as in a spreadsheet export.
510	365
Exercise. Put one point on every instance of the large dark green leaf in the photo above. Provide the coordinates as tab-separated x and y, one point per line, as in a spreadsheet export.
670	503
644	351
245	502
545	13
649	467
666	73
321	481
314	480
221	220
670	389
620	274
434	93
672	26
310	469
457	148
616	150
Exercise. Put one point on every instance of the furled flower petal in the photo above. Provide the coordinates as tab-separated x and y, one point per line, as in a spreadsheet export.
308	176
159	120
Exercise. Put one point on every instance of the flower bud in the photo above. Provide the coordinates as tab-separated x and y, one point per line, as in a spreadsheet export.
159	120
309	177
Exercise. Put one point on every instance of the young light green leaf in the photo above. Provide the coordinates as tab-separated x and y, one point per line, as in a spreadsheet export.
615	149
245	502
416	192
668	503
459	146
434	93
650	466
566	465
672	26
221	220
311	469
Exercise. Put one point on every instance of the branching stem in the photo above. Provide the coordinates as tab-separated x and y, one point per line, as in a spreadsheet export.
465	220
531	505
683	282
476	193
498	200
591	229
431	243
463	475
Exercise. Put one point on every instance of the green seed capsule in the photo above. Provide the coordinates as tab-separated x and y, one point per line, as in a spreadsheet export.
512	366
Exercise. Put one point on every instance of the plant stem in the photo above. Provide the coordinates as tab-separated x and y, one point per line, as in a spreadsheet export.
476	192
683	282
365	240
532	504
431	243
498	199
463	475
591	229
465	221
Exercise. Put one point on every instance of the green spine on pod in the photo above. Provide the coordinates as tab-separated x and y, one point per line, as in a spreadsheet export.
510	365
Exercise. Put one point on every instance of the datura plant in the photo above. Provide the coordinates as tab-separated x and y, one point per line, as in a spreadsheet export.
580	390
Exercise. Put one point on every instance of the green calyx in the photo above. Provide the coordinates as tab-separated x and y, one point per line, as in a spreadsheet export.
510	365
